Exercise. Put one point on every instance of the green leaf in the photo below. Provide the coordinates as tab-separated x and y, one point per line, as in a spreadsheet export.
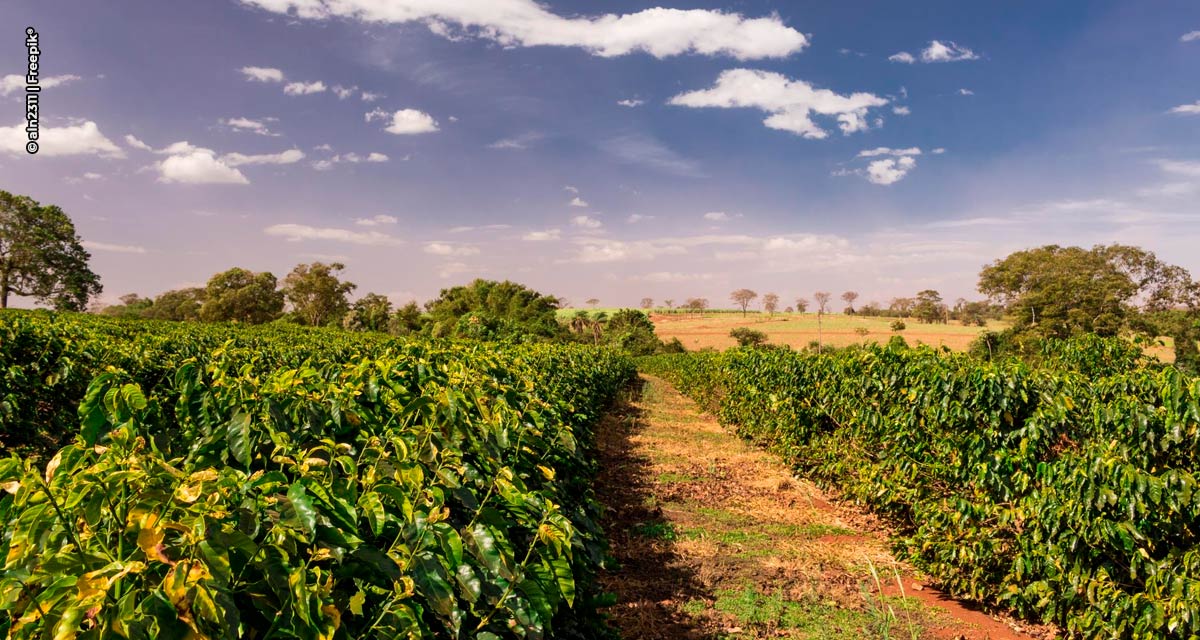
238	436
303	506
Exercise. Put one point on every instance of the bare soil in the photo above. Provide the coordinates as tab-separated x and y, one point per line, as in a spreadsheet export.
717	539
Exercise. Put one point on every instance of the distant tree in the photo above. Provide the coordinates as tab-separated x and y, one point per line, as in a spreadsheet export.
632	331
801	305
747	337
240	295
593	302
898	325
862	331
789	310
929	307
697	305
647	303
670	303
743	298
372	312
771	303
316	294
850	297
42	257
493	310
822	298
407	320
178	304
132	306
901	307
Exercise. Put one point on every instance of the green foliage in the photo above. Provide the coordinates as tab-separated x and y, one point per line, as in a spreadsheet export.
315	293
178	304
372	312
41	256
898	325
494	310
238	295
1064	489
304	484
747	337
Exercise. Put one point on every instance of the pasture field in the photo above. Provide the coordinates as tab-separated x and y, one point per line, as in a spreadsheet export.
798	329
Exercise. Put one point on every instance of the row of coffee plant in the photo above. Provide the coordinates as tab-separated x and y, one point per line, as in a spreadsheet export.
283	484
1065	491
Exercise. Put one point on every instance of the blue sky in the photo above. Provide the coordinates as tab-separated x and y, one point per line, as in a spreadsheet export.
674	150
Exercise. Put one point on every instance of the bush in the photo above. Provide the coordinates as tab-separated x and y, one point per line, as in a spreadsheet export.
898	325
747	337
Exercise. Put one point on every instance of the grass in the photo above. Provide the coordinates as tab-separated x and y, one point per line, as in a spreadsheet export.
806	617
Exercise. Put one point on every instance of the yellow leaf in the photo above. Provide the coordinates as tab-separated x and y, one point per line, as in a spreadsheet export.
52	466
12	486
356	603
150	540
546	471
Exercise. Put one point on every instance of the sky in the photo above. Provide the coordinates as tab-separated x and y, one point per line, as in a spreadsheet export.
668	150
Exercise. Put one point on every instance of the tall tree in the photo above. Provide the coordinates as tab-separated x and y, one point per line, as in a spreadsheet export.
407	320
822	298
240	295
670	303
490	309
647	303
593	302
743	298
179	304
372	312
42	257
850	297
771	302
929	307
316	294
696	305
801	305
132	306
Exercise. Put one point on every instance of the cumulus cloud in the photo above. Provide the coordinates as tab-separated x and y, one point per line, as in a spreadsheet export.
367	96
290	156
901	110
947	51
890	170
132	141
74	140
376	220
902	57
578	202
300	232
246	124
1190	36
716	216
303	88
447	249
1187	109
405	122
790	103
631	102
542	236
598	250
888	151
262	74
14	83
659	32
587	222
352	158
485	227
112	248
193	165
343	92
965	92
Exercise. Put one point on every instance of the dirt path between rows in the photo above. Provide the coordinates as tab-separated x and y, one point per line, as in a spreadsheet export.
717	539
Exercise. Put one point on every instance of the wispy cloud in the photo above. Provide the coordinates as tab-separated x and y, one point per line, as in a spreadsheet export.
300	232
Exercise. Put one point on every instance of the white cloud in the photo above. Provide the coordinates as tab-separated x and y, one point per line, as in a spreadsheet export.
452	269
790	103
670	276
901	110
947	51
323	147
486	227
192	165
542	236
376	220
112	248
578	202
73	140
375	114
890	170
647	151
938	151
262	74
659	32
637	217
447	249
132	141
352	158
92	176
519	142
587	222
301	232
285	157
598	250
631	102
343	92
903	57
303	88
408	122
965	92
888	151
720	216
367	96
1189	36
246	124
375	156
1187	109
14	83
1181	167
571	189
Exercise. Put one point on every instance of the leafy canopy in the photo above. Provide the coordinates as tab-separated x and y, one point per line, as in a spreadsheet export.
42	257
